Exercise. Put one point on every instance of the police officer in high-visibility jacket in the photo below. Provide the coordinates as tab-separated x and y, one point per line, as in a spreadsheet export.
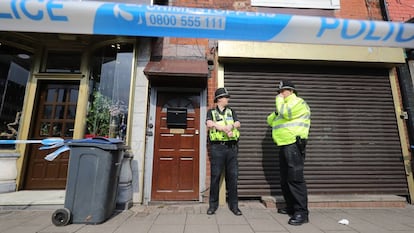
290	129
223	124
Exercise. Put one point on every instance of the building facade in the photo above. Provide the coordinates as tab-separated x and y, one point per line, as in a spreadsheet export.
154	92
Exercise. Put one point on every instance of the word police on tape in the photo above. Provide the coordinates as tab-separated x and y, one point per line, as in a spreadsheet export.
167	21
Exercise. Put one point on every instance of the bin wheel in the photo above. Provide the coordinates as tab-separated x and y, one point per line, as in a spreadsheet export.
61	217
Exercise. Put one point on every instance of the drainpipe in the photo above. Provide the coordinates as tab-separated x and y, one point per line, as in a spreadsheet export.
406	87
384	10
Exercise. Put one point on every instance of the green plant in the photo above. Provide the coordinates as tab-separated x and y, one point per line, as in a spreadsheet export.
98	117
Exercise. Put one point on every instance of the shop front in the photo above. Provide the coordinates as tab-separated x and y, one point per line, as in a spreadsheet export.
66	86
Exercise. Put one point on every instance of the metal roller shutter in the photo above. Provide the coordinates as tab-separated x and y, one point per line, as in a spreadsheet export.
354	146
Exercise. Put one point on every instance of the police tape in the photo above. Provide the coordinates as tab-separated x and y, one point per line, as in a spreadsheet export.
103	18
63	144
48	143
45	142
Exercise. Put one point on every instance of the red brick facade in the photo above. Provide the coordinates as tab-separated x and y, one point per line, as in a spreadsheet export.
400	10
360	9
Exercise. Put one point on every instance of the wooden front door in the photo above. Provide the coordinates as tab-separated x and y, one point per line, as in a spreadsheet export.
53	116
176	147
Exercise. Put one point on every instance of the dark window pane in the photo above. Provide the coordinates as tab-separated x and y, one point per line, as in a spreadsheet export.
51	95
60	112
14	72
74	95
71	112
61	95
63	62
47	112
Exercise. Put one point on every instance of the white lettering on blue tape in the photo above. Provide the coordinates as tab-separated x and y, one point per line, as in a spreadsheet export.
166	21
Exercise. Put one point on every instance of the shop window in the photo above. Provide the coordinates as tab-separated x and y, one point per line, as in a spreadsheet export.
14	72
110	83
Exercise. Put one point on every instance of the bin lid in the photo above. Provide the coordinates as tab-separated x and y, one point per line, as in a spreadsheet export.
100	142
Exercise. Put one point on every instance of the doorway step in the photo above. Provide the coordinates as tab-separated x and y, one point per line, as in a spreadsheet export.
32	199
343	201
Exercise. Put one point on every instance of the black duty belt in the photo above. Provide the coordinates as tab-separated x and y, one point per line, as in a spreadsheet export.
226	143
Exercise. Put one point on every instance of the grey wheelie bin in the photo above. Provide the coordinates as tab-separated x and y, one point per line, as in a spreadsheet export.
92	183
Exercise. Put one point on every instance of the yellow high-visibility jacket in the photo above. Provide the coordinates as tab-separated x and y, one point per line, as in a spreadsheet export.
291	119
225	119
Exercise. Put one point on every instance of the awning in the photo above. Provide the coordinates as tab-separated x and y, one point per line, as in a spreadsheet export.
186	68
105	18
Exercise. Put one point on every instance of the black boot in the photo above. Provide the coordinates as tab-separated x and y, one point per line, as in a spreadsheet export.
298	219
236	211
286	210
211	210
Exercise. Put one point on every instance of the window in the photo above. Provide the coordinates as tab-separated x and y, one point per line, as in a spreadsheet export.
160	2
110	87
320	4
63	62
14	72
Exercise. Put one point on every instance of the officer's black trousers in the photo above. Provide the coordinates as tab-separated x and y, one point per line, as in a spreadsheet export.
292	179
223	157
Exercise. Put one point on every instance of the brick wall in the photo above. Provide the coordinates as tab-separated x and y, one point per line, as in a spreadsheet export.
360	9
400	10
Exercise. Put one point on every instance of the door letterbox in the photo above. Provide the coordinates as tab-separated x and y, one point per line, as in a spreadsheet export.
177	118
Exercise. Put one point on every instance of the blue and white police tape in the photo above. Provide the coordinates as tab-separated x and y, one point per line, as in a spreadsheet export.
105	18
56	153
45	142
48	143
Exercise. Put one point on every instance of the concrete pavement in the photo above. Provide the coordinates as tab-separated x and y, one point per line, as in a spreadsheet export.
192	218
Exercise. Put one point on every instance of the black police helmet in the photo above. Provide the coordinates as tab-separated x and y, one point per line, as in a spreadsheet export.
221	92
286	84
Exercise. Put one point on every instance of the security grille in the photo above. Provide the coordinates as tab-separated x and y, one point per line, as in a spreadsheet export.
354	145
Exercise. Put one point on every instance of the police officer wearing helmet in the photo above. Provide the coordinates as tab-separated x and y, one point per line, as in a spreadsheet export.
223	124
290	129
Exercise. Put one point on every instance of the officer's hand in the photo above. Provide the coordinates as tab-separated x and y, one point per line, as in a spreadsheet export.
210	124
228	128
220	127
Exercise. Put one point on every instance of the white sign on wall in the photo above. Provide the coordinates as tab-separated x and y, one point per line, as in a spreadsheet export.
320	4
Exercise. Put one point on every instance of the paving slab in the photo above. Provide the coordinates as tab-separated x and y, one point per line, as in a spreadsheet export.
192	218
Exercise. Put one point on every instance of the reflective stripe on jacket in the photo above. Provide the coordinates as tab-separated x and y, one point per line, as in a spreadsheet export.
225	119
291	119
